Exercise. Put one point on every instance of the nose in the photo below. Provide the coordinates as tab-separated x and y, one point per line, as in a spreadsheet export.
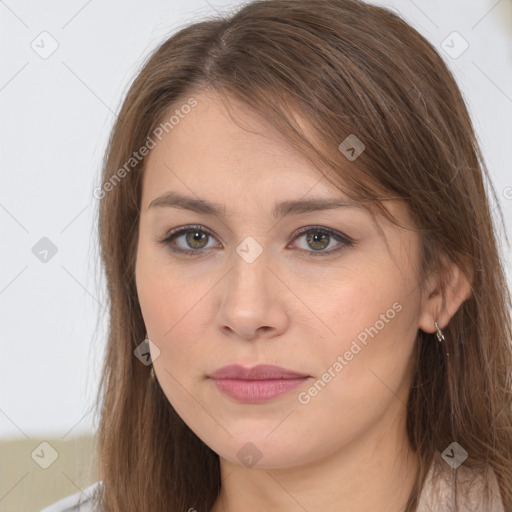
252	301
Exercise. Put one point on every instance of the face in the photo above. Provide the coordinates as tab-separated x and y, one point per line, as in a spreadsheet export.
319	293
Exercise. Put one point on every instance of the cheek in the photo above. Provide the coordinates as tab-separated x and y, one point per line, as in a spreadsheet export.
362	370
371	322
353	303
170	313
172	307
166	297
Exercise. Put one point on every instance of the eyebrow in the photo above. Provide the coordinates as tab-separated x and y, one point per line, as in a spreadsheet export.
292	207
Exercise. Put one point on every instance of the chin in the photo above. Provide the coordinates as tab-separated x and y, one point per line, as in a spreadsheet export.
261	452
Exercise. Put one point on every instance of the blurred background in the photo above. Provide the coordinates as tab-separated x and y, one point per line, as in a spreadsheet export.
64	69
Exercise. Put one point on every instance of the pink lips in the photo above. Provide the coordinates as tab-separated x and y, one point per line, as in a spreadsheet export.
257	384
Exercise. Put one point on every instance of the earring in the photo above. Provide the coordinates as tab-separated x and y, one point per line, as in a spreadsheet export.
440	335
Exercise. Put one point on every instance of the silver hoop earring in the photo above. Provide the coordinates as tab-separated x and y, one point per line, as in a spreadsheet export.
440	335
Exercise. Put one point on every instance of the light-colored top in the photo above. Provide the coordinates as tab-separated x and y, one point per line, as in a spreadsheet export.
437	494
439	490
82	501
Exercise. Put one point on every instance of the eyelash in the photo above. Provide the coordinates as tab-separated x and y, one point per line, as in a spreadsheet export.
339	237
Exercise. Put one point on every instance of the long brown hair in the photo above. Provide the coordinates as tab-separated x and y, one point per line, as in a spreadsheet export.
347	68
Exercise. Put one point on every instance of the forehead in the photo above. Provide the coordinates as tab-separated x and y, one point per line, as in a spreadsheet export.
216	149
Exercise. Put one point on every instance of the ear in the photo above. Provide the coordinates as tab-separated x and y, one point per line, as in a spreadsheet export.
435	307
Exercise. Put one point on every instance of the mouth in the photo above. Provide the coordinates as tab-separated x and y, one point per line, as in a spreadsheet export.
258	384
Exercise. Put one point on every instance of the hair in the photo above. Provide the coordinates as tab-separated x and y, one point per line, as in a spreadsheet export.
348	68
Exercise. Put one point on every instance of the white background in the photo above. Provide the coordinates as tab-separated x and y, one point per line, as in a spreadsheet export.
55	117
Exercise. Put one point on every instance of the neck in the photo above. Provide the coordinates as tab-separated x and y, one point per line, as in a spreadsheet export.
376	472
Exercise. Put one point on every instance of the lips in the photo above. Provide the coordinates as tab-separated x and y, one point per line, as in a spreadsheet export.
259	372
258	384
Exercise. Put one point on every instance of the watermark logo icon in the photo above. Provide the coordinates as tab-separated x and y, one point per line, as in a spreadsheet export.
44	45
44	250
147	352
454	455
249	249
249	455
351	147
454	45
44	455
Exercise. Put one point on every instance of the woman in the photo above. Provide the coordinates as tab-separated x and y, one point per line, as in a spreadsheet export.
294	219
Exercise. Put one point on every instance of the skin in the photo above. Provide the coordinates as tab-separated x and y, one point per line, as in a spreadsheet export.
346	449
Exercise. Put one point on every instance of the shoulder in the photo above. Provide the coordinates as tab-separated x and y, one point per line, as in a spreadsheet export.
474	491
82	501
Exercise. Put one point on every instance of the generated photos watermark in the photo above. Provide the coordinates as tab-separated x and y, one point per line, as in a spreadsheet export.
143	151
304	397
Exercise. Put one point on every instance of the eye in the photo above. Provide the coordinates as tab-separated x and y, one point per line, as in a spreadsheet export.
319	238
196	239
195	236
